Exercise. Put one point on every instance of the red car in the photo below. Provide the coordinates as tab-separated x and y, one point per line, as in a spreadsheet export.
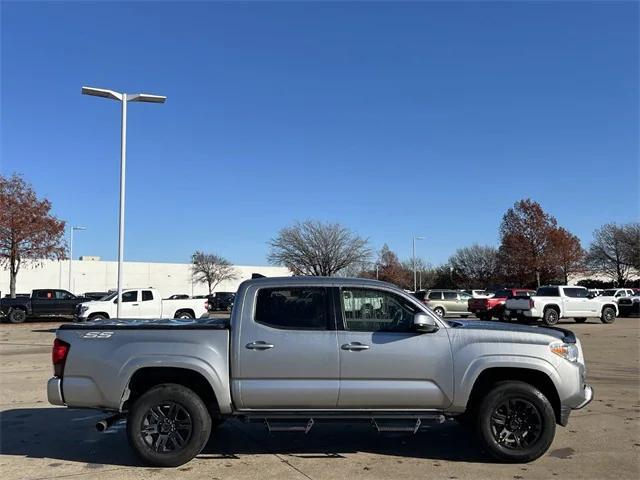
488	308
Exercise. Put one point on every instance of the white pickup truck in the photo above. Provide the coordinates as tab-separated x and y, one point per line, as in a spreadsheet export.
551	303
141	303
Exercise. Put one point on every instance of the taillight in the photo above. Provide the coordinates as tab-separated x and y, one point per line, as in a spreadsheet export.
59	356
531	303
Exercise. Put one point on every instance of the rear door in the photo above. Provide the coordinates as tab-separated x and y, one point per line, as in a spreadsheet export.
43	302
384	363
286	355
575	303
149	306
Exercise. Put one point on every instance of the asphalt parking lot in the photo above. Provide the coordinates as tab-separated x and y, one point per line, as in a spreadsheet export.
39	441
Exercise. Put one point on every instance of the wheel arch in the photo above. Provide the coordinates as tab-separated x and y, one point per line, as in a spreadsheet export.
186	310
554	306
145	378
94	314
542	377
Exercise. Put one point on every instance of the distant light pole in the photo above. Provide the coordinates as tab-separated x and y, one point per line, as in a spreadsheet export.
123	98
377	270
73	229
415	276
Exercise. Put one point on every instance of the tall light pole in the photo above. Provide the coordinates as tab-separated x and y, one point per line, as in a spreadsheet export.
415	276
123	98
73	229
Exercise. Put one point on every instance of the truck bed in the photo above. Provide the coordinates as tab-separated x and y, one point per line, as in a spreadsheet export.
104	355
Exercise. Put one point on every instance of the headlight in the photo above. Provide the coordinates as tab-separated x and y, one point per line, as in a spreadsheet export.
568	351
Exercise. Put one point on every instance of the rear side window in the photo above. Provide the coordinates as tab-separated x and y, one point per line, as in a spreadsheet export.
548	292
147	295
450	295
575	292
45	294
435	295
296	308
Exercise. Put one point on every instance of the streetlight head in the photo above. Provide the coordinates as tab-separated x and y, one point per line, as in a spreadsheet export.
79	228
146	97
101	92
419	238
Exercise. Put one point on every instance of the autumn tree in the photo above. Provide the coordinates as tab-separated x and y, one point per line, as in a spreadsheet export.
29	233
525	249
611	252
566	251
211	269
317	248
475	266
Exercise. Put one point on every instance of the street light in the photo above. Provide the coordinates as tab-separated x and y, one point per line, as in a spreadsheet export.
123	98
415	279
71	252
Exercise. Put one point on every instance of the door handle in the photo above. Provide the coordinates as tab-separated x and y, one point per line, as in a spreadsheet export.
355	347
135	304
259	345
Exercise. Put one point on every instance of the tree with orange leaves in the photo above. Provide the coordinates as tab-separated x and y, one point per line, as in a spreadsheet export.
28	231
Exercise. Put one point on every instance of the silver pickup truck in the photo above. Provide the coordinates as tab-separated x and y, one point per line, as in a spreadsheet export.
302	350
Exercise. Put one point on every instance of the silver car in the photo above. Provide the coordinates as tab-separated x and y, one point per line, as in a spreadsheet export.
448	303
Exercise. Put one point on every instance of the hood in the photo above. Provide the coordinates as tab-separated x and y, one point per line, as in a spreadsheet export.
566	336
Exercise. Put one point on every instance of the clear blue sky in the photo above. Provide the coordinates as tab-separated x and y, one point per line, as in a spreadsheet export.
391	118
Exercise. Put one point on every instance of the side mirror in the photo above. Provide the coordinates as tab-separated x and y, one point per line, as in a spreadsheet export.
424	323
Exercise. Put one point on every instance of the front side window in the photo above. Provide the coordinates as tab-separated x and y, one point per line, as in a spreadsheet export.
368	310
131	296
63	295
295	308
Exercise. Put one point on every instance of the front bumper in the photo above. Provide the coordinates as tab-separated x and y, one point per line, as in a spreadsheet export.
583	399
54	391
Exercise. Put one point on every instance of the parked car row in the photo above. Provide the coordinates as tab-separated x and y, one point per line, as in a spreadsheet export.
136	303
548	303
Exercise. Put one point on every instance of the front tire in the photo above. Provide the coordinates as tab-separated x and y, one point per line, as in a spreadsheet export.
17	316
168	425
608	315
515	422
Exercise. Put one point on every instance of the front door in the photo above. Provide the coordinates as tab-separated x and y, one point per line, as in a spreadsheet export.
286	353
130	306
384	362
66	302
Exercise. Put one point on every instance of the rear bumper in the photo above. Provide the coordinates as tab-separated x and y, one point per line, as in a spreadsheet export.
54	391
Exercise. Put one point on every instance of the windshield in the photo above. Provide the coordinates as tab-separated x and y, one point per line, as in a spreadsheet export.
108	297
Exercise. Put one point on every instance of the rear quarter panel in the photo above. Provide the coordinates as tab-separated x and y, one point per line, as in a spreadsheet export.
99	367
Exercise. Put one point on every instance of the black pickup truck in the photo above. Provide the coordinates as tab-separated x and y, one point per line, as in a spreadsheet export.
42	303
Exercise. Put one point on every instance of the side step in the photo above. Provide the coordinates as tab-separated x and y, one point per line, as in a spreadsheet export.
288	425
393	425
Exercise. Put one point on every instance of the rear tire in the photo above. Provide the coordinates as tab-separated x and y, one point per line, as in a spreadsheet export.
551	316
608	315
439	311
160	436
183	314
515	422
17	315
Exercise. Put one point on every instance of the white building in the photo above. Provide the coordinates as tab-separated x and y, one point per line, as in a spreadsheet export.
90	274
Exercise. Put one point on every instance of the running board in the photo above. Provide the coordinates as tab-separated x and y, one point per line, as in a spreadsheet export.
391	425
288	425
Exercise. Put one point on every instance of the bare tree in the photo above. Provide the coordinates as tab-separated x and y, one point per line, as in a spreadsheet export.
317	248
211	269
630	239
608	253
475	266
28	231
